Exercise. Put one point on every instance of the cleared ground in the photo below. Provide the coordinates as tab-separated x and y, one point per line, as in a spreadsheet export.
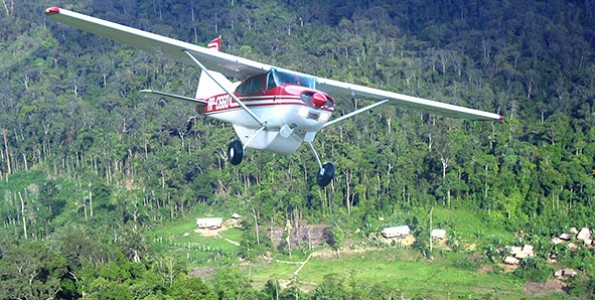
448	275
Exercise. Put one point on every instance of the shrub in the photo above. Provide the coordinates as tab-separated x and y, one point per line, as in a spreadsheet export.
534	269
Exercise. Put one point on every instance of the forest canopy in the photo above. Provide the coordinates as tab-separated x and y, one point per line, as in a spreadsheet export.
83	153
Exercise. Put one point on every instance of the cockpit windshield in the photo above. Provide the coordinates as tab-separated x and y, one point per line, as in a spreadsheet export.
278	77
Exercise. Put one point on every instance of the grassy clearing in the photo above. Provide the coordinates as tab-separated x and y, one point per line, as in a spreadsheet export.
260	273
180	238
395	268
449	275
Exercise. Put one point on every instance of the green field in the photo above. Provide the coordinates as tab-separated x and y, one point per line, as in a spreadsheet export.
180	238
394	268
448	275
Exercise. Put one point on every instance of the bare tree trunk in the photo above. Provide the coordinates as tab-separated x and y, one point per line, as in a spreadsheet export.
256	223
23	215
85	210
193	18
430	141
485	184
9	169
26	165
445	161
6	7
389	123
431	245
91	203
272	239
288	239
348	191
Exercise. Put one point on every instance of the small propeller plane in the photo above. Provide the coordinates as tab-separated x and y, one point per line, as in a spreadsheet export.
270	108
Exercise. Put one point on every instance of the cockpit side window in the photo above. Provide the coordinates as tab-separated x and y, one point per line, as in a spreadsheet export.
244	87
257	84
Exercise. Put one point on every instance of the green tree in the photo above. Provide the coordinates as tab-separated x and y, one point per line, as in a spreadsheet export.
31	270
272	289
334	237
331	287
293	290
188	287
230	283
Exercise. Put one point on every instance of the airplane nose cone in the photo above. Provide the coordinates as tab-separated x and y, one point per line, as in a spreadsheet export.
319	100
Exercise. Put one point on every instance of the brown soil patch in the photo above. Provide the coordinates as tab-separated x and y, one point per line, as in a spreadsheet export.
485	269
472	247
507	268
311	235
231	223
551	286
208	232
33	188
203	272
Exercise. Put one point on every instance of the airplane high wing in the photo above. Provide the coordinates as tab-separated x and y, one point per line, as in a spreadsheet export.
241	68
161	46
334	87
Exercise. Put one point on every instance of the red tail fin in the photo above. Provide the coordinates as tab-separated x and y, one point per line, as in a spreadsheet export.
215	44
207	87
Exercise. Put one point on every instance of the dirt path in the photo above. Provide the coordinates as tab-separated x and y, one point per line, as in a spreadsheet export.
303	264
549	288
327	254
229	241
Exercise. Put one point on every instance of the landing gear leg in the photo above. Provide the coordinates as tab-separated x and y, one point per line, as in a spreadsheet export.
235	152
327	170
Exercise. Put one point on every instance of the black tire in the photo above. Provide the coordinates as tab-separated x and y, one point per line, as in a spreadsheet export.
326	174
235	152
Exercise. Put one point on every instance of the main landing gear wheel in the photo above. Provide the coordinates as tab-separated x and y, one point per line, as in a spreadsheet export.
235	152
326	174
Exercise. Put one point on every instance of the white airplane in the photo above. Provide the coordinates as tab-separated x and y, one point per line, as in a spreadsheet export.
271	108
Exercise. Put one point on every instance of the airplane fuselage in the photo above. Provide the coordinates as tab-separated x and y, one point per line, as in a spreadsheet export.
292	113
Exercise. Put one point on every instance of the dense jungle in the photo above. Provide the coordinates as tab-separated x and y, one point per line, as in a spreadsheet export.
91	169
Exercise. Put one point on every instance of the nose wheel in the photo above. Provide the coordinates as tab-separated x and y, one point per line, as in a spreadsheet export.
235	152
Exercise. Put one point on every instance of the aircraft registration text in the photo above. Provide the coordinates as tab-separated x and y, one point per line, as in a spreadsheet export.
220	102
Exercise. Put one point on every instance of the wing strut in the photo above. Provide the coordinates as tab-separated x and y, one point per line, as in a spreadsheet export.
173	96
359	111
248	110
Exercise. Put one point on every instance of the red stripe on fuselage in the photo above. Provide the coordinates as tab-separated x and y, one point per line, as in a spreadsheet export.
224	103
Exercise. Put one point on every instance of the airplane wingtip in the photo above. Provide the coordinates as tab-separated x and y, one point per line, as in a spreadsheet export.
52	11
